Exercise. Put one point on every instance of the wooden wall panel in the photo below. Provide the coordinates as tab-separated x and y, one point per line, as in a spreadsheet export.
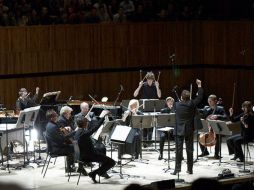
46	49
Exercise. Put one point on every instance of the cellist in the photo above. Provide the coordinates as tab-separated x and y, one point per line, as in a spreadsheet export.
213	112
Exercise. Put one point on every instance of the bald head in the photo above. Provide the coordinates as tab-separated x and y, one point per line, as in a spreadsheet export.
84	107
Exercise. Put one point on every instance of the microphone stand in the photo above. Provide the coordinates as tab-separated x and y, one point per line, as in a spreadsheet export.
244	170
118	95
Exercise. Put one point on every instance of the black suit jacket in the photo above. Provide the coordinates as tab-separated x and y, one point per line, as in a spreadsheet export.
185	112
219	111
83	136
56	139
81	114
63	122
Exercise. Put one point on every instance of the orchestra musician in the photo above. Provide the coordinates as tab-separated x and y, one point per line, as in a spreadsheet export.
212	112
247	131
58	140
89	153
136	145
25	101
65	118
84	109
164	135
92	120
149	90
185	112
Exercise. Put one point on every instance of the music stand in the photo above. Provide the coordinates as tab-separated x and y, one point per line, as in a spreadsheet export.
202	129
106	128
141	122
167	120
50	98
219	127
198	125
153	105
21	123
30	118
119	136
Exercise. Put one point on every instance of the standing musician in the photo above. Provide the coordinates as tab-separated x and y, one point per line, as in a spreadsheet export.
136	145
58	141
247	131
24	101
164	135
185	112
89	153
149	90
213	112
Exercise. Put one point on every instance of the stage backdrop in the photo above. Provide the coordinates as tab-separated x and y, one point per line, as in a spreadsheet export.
96	59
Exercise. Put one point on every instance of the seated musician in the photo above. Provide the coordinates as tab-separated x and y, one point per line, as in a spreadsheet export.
133	148
164	135
88	153
59	141
65	119
92	119
213	112
84	109
247	131
25	101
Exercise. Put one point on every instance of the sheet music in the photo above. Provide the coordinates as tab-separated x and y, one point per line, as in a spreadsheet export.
120	133
97	133
166	129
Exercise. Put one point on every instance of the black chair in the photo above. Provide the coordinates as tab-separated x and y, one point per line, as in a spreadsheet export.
77	160
49	156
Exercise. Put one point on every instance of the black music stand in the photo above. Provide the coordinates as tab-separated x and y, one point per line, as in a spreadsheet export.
119	136
141	122
167	120
198	125
106	128
202	129
50	98
153	105
219	127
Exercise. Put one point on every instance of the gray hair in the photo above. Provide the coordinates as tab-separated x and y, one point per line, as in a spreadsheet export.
65	109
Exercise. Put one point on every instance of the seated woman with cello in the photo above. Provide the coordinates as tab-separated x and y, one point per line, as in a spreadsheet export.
247	131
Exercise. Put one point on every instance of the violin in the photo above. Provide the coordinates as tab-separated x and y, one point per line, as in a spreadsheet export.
65	132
